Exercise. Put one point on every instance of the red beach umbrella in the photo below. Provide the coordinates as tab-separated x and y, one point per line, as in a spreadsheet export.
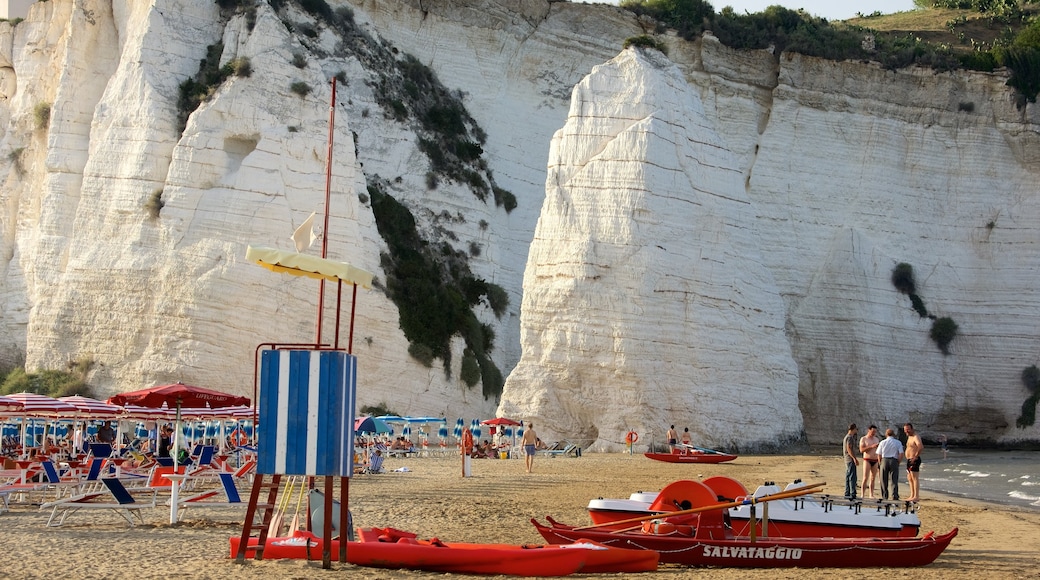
180	396
500	421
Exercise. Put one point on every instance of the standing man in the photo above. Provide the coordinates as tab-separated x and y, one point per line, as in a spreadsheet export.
848	450
868	447
673	438
914	447
890	451
529	441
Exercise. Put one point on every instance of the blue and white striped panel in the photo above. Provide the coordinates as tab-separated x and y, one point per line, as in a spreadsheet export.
306	412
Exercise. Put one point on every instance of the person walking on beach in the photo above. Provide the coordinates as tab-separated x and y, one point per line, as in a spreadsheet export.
890	451
686	440
529	441
847	449
914	447
673	438
868	447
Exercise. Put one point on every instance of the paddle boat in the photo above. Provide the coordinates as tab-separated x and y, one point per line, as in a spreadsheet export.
711	543
801	516
682	453
397	549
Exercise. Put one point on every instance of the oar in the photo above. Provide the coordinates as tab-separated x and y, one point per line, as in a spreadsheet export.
705	450
751	500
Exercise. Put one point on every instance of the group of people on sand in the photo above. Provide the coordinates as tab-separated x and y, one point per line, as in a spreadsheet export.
673	438
882	456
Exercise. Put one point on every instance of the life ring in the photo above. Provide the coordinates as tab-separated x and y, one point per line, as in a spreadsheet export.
239	438
631	437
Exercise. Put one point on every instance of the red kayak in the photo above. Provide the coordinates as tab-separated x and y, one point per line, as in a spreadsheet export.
396	549
709	543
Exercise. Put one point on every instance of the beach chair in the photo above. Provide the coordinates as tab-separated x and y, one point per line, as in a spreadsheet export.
72	485
225	496
118	499
571	449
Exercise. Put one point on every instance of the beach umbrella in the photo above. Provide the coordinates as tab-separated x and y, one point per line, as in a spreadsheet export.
87	407
474	427
407	432
180	396
500	421
426	419
147	413
457	432
34	405
442	432
9	406
41	405
391	419
370	425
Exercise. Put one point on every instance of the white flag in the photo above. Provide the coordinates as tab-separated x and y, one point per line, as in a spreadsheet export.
304	235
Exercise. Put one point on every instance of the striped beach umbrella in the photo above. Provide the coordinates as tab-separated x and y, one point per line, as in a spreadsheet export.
41	405
459	423
407	432
474	426
442	432
87	407
9	406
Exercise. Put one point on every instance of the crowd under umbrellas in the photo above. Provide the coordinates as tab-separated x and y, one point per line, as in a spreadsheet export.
37	424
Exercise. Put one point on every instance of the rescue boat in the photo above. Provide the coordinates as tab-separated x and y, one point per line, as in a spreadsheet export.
710	543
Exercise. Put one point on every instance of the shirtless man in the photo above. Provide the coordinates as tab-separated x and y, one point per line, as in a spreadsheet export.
871	462
673	438
529	441
914	446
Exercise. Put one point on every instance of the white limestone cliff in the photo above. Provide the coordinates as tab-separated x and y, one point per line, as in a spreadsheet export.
646	297
819	178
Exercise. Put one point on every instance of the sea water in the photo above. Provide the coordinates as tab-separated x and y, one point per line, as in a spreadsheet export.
1007	477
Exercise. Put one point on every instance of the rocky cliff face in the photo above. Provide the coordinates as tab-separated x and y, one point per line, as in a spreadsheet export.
711	235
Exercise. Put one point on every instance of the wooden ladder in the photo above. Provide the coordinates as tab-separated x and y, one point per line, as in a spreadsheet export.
250	525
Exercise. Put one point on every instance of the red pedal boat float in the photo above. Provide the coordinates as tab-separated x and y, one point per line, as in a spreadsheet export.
396	549
797	517
709	541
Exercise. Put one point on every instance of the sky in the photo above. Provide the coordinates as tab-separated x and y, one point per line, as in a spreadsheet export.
829	9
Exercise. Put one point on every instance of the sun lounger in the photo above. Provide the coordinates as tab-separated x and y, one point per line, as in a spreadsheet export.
118	499
571	450
226	496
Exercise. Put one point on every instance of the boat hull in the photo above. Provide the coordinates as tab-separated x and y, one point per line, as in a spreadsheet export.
691	457
771	552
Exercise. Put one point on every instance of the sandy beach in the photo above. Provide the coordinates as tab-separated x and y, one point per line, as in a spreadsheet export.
495	505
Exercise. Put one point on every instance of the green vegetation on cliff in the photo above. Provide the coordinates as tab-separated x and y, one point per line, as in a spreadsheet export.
942	34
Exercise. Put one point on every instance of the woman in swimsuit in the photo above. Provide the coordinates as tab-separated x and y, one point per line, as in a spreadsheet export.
868	445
